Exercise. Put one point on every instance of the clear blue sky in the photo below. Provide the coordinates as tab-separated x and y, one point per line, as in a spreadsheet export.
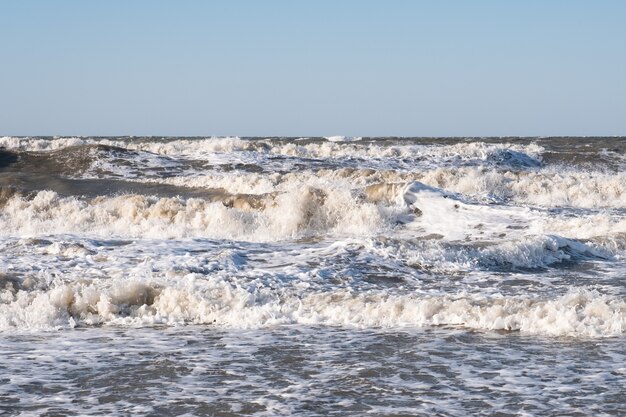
412	68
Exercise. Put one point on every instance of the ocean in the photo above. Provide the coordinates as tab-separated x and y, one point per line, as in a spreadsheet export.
341	276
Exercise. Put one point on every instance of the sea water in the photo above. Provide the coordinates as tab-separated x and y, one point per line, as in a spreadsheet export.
312	276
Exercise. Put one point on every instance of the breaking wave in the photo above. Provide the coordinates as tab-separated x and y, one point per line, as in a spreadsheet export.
301	213
432	232
472	152
205	300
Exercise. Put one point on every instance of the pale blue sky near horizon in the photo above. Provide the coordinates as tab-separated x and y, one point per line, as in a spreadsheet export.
316	68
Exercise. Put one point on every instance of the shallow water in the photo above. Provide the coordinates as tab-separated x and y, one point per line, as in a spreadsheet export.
309	371
347	276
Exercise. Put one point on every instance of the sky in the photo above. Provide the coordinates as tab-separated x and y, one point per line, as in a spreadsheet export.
313	68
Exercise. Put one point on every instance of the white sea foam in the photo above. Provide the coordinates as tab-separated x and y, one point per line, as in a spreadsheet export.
37	144
299	213
340	255
445	214
508	154
548	188
544	188
465	209
532	252
206	300
295	209
343	138
475	151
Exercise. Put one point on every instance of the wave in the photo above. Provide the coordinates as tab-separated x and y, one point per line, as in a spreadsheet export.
343	138
514	155
91	161
291	208
370	233
546	188
300	213
425	228
523	254
40	144
211	300
567	188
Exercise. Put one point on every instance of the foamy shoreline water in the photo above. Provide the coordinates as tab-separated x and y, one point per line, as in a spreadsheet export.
392	243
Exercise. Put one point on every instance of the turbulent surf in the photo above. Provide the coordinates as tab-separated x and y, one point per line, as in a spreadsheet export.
326	248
